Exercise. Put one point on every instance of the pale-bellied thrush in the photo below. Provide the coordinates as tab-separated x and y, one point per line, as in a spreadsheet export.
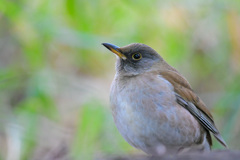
154	106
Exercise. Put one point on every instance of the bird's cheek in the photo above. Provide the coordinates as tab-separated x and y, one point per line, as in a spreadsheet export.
130	69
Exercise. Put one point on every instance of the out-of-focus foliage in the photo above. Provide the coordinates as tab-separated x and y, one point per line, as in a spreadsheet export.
55	75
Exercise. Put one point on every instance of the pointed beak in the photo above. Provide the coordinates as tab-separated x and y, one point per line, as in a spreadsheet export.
115	49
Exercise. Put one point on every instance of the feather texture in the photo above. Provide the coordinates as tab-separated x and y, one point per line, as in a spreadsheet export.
188	99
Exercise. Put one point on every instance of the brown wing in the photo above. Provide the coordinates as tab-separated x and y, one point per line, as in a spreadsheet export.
189	100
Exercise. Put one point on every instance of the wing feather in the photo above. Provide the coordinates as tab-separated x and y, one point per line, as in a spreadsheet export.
189	100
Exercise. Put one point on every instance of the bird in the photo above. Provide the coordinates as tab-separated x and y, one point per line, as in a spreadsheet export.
154	107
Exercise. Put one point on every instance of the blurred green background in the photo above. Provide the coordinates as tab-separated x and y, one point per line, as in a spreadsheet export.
55	75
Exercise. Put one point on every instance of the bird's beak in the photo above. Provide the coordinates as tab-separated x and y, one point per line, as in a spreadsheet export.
114	49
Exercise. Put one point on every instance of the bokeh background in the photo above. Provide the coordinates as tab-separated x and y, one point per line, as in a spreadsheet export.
55	75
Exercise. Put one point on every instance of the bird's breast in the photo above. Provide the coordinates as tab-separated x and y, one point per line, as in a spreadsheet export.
145	106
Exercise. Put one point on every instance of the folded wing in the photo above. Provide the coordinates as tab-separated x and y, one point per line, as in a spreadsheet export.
189	100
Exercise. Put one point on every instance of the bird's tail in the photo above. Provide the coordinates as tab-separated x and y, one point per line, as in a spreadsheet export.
220	139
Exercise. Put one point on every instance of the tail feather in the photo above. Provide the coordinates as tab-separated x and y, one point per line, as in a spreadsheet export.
220	139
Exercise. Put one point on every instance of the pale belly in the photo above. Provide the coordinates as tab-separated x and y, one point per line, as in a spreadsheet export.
148	121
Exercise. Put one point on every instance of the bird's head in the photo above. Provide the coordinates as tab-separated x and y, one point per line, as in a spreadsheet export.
135	58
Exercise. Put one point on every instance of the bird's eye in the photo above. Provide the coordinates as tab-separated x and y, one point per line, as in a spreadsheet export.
136	56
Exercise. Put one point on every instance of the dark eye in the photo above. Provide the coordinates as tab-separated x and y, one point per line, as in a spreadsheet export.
136	56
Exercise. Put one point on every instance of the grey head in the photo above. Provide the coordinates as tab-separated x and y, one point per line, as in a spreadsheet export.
135	58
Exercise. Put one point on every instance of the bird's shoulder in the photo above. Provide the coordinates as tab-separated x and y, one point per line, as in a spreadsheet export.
183	88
